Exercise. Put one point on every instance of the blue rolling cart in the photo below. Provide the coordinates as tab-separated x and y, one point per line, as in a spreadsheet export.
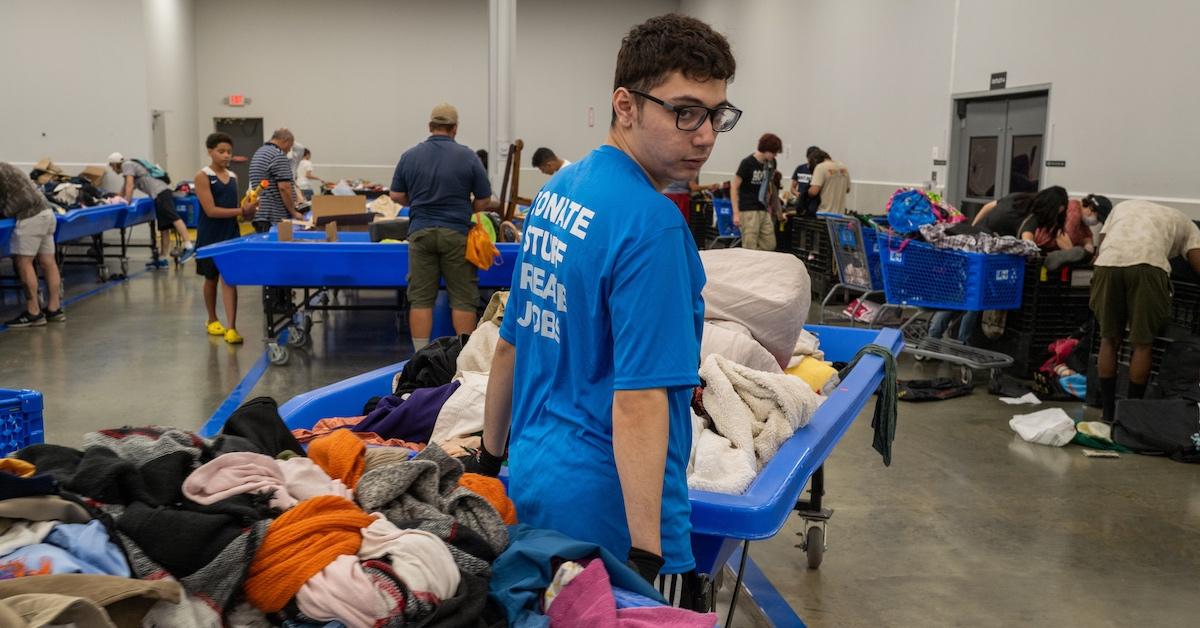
722	525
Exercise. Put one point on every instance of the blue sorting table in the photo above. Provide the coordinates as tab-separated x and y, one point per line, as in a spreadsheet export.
6	229
297	275
188	208
722	525
140	212
85	228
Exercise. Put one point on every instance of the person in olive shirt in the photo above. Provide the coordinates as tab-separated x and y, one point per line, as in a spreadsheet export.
32	238
752	185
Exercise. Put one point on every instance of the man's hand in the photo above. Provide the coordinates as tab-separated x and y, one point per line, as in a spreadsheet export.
1064	241
647	564
737	219
483	463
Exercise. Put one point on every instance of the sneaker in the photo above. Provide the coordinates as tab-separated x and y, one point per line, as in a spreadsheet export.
161	263
57	316
215	328
187	254
27	320
233	337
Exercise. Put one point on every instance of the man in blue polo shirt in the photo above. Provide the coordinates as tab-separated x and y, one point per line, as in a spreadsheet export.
437	180
600	344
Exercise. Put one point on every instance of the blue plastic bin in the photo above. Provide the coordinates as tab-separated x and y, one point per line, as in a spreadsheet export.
871	244
719	522
351	262
20	419
921	275
89	221
141	211
188	208
6	229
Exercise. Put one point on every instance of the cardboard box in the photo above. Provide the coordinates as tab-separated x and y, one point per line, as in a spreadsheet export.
95	174
350	212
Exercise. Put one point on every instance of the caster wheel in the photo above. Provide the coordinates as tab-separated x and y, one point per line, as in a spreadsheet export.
306	324
814	546
125	266
103	272
297	336
277	355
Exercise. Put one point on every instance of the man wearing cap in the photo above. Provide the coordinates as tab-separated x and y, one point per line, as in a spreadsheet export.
136	175
270	163
437	179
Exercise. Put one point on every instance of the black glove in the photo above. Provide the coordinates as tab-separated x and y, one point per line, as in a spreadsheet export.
483	463
645	563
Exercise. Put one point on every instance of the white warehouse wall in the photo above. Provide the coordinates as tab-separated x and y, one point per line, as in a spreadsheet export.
867	81
170	33
1124	98
566	56
354	80
81	92
876	87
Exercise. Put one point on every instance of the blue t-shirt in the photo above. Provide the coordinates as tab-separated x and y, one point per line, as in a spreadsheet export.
605	297
440	175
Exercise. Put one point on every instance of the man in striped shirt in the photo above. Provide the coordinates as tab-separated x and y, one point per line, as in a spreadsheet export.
270	163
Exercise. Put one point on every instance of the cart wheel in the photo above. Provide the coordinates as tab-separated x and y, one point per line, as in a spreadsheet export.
103	272
307	324
277	355
324	298
814	546
297	336
125	266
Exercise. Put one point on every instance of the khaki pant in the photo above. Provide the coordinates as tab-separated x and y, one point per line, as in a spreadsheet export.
758	233
436	254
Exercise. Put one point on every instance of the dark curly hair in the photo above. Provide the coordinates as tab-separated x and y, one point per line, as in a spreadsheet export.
669	43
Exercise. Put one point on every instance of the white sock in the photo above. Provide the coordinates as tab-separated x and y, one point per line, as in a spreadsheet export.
420	343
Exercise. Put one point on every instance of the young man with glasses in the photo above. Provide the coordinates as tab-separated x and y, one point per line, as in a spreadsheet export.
600	344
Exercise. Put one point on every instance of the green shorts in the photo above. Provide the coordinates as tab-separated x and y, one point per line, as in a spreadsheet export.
1137	296
436	254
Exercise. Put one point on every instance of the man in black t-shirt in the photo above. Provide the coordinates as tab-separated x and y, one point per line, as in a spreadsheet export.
801	178
752	192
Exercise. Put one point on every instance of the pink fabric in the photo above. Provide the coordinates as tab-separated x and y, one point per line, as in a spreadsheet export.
237	473
343	591
588	601
419	558
303	479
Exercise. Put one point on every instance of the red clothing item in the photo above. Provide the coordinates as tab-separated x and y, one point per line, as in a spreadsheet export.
1076	229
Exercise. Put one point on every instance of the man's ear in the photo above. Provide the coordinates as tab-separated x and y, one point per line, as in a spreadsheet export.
625	105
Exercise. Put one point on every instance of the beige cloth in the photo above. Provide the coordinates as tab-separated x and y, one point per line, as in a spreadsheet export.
462	414
767	293
34	610
834	179
1141	232
380	456
44	508
733	341
125	601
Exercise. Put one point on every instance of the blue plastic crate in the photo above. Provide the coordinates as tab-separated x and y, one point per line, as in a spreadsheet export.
6	229
20	419
188	208
723	210
921	275
141	211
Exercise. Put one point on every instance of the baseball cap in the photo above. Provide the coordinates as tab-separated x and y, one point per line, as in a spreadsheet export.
116	158
444	113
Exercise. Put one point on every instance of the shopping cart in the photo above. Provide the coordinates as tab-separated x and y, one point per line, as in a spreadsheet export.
856	253
728	235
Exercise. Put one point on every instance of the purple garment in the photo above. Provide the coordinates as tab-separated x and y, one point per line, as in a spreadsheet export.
409	419
588	601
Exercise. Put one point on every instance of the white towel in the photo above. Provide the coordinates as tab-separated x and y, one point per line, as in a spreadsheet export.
1045	427
756	411
719	466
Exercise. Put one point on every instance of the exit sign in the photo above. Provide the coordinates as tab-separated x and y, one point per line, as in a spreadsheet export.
236	100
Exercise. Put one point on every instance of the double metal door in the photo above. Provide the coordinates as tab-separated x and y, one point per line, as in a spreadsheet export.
1001	149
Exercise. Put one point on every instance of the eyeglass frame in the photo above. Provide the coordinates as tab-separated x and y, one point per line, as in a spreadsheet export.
676	109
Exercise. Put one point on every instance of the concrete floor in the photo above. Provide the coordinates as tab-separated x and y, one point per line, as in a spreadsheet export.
969	526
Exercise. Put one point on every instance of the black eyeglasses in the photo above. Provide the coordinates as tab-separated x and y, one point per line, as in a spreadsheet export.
690	117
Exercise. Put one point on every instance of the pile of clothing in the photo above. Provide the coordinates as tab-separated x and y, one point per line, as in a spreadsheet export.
67	192
246	529
945	236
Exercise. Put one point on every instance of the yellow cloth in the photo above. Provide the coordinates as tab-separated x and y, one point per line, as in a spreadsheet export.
17	467
814	372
